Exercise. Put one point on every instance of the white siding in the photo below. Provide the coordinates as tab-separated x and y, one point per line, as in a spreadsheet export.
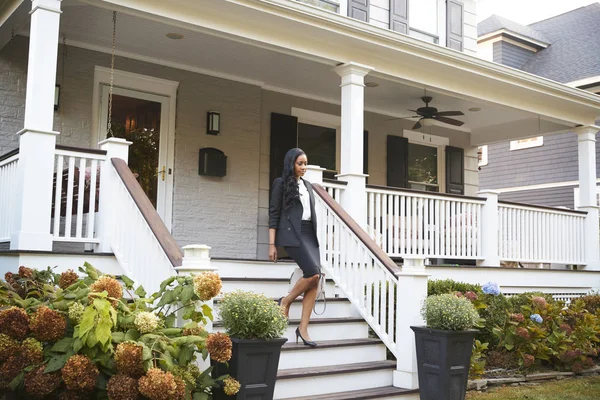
379	13
471	171
470	28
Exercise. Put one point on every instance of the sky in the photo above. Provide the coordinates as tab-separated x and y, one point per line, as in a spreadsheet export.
527	11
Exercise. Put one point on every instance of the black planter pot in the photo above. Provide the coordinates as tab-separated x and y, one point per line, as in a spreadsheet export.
254	364
443	359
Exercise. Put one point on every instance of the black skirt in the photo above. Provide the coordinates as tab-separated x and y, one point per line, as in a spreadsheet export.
307	255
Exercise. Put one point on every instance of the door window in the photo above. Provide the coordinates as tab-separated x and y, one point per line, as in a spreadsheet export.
319	144
423	167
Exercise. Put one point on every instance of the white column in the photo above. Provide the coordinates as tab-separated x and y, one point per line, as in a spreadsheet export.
37	140
489	229
314	174
115	148
586	138
412	290
353	198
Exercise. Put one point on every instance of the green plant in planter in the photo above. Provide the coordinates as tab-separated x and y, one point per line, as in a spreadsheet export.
450	313
248	315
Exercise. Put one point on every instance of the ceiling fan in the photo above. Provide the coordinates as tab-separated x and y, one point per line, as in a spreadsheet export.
427	114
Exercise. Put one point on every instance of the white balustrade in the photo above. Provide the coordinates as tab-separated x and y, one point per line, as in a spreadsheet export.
8	195
414	224
76	195
334	189
540	235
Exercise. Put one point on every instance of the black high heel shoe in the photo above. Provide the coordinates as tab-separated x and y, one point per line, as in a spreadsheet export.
306	342
279	301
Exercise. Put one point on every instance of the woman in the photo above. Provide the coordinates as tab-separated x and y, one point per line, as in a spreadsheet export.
293	225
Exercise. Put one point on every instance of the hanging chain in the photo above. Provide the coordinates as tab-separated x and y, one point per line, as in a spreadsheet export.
12	36
62	78
109	132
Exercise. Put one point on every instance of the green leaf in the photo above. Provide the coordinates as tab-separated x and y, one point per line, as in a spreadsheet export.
127	281
132	335
91	339
167	282
168	297
63	345
140	291
509	347
118	337
15	383
185	355
146	352
56	363
207	311
77	345
186	294
188	311
200	396
170	320
91	271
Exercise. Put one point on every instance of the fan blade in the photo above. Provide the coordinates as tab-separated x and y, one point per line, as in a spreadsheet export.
450	121
449	113
418	112
417	125
412	116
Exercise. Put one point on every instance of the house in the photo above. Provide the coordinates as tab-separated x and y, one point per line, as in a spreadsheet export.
131	131
541	169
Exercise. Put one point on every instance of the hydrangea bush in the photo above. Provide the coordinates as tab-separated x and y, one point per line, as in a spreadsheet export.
71	337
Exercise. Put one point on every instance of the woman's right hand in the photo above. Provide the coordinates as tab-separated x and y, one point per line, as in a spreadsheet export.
273	253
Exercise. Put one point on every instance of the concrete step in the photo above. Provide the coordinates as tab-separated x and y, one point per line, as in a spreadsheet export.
328	352
336	307
324	329
386	392
317	381
271	287
253	268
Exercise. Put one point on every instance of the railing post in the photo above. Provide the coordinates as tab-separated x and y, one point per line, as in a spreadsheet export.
489	230
411	291
314	174
37	140
115	148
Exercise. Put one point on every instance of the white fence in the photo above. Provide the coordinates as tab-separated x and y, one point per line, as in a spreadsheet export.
540	235
8	195
75	195
409	223
334	188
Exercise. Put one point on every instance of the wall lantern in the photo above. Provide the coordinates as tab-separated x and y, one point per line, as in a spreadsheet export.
213	123
56	97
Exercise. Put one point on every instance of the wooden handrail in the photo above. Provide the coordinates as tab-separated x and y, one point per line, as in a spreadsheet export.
565	210
80	149
376	250
149	213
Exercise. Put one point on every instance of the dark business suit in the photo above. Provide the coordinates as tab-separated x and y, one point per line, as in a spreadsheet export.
297	237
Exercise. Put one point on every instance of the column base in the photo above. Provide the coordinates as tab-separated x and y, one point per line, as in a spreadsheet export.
31	241
406	380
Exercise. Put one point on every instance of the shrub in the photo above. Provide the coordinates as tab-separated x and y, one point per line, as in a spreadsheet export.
517	301
592	302
449	312
60	331
248	315
444	286
495	314
478	361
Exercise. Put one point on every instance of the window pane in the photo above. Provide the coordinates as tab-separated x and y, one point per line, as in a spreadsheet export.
422	164
319	145
423	15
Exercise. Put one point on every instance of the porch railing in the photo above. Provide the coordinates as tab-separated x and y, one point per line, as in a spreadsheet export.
334	188
8	193
75	194
408	223
536	234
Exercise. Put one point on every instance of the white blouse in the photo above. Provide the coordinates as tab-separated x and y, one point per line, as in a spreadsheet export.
305	200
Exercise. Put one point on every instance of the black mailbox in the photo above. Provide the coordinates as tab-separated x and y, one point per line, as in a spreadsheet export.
213	162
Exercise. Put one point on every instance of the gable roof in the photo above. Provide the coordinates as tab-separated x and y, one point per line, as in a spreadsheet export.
575	50
495	23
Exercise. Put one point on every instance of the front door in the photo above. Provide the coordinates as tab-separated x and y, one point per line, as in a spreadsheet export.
142	118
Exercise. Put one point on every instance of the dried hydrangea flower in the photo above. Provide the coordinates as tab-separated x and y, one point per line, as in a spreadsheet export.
76	312
219	346
73	395
517	317
146	322
80	373
111	286
523	332
129	359
122	387
10	369
25	272
48	325
8	346
160	385
197	331
566	328
67	278
32	351
528	360
539	302
207	285
39	384
231	386
577	367
14	322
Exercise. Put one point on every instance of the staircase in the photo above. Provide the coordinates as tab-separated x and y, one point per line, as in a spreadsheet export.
347	364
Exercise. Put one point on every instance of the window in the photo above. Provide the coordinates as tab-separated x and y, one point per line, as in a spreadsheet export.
526	143
319	143
482	155
427	19
423	167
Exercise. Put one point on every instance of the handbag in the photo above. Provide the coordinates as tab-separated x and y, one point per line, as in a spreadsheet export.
297	275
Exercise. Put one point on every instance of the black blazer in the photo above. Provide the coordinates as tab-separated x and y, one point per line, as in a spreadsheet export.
288	222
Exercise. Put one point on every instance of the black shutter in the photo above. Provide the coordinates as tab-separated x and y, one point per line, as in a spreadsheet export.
359	9
284	136
397	161
454	24
455	170
366	153
399	16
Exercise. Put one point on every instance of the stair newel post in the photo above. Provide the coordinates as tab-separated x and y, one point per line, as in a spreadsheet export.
107	203
314	174
410	294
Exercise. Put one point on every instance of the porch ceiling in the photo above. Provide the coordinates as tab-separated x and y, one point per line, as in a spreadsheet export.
267	64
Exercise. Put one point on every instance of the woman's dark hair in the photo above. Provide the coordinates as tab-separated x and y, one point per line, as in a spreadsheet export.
290	182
